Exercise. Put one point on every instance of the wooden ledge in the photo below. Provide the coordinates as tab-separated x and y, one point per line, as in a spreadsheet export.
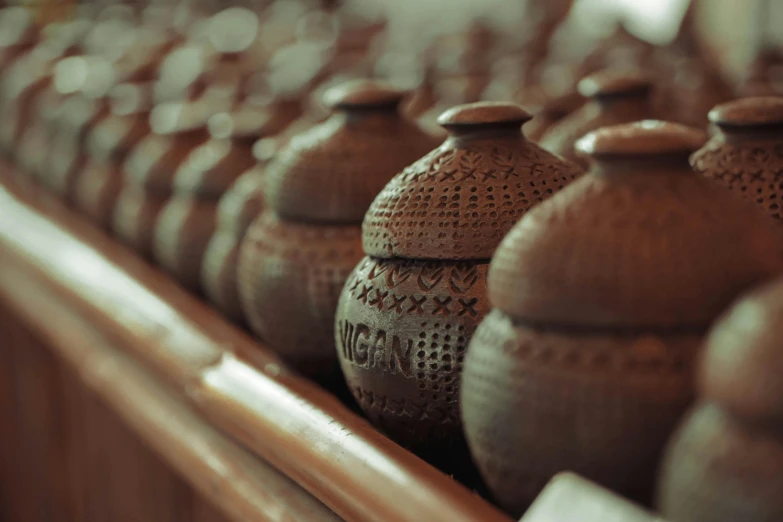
236	382
246	488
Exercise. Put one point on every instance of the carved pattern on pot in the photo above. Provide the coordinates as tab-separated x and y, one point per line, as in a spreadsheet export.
412	319
295	259
746	154
602	295
422	291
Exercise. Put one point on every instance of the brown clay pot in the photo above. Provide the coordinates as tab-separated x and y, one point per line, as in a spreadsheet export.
296	256
725	461
108	145
66	157
409	309
28	78
148	175
614	98
188	221
237	209
31	155
551	112
746	152
21	86
602	295
764	76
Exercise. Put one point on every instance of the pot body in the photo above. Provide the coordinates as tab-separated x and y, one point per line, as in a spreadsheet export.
402	329
238	207
537	402
717	470
148	177
135	215
96	191
182	232
290	278
753	168
219	273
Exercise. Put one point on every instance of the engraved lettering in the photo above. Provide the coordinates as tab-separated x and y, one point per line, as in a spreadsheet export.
376	349
400	358
346	337
360	348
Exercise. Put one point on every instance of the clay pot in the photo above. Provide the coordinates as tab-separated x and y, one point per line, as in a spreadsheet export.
409	309
66	157
724	462
551	112
614	98
31	155
602	295
764	75
28	78
188	221
296	256
694	88
238	207
746	152
148	173
108	146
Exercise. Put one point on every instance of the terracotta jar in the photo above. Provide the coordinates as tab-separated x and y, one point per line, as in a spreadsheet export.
108	146
29	76
189	219
296	256
614	98
31	155
601	298
746	151
78	114
238	207
409	309
148	173
551	112
693	88
764	75
724	464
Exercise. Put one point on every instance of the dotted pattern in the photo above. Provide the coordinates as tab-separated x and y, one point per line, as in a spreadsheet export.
290	277
402	329
716	471
537	403
754	170
458	203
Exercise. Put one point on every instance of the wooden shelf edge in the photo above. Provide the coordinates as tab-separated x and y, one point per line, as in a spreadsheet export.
239	384
243	486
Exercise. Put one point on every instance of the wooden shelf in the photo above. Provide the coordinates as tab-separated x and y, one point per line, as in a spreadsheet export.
165	362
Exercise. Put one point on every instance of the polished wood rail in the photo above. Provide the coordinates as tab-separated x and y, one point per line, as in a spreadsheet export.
184	387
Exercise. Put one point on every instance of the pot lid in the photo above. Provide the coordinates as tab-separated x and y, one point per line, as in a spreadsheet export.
640	242
749	112
459	201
